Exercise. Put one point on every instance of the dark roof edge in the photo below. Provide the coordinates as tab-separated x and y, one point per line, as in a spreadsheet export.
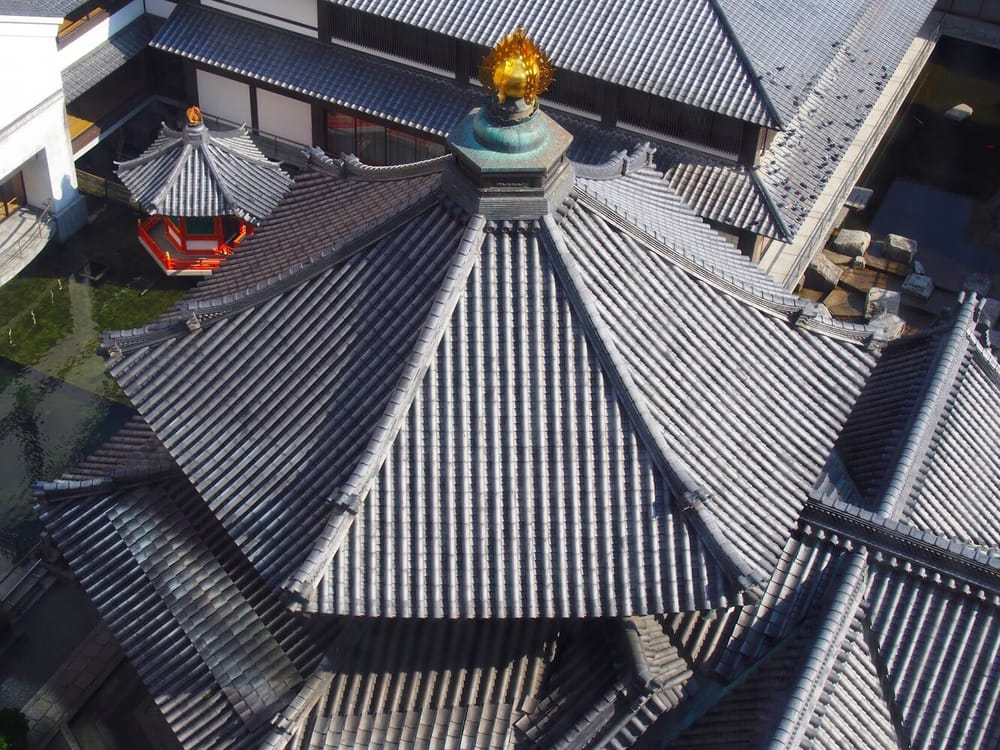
748	65
351	167
920	429
193	314
687	494
346	499
847	525
801	313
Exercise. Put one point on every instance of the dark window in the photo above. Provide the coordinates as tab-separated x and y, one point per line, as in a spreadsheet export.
200	225
393	38
375	143
370	140
11	195
680	121
576	91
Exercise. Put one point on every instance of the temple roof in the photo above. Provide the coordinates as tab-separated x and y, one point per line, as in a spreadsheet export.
920	444
494	339
694	59
200	172
559	464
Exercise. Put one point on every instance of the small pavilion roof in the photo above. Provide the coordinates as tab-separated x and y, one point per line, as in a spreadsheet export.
200	172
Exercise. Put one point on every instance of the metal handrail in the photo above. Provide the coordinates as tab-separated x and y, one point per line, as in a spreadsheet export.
43	219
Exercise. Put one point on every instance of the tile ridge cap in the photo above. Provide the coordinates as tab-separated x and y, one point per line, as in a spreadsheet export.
925	418
687	495
346	499
830	632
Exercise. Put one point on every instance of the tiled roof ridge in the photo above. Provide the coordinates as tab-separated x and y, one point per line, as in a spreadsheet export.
752	74
920	430
192	314
899	544
689	496
63	490
800	313
229	200
344	500
350	166
779	218
830	632
620	163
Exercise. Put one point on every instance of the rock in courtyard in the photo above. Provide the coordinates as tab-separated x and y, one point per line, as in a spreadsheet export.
823	274
881	301
919	285
852	242
900	248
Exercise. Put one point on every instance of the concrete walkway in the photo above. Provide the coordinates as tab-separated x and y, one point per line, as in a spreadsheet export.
22	237
65	693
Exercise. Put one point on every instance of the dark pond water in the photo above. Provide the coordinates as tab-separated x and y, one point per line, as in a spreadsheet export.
46	426
934	178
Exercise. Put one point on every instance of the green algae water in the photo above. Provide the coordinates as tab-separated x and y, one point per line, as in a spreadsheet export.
57	403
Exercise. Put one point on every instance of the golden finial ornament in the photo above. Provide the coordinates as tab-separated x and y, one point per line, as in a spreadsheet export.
194	115
516	69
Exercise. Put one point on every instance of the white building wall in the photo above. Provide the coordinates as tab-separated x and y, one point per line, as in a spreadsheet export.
299	16
33	134
223	97
28	59
284	117
99	33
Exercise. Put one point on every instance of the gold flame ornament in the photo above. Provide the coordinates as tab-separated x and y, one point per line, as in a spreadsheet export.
516	68
194	115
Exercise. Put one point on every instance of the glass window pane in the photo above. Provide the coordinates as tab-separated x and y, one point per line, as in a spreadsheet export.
371	142
402	146
428	149
339	133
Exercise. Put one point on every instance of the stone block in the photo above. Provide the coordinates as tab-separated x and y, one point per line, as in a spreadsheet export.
900	248
959	112
891	325
823	274
858	262
880	301
919	285
918	267
852	242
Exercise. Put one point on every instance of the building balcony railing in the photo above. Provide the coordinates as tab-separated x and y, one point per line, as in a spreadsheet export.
85	18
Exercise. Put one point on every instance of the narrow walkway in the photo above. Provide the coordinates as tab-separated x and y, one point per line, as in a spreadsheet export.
22	237
65	693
